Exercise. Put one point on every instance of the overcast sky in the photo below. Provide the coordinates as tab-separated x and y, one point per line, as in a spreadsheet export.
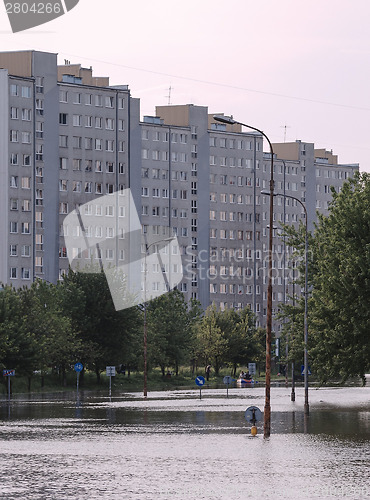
303	65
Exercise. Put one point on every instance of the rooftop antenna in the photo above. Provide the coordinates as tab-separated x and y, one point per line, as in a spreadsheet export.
285	127
169	95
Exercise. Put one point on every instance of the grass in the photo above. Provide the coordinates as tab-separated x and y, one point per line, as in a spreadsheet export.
123	383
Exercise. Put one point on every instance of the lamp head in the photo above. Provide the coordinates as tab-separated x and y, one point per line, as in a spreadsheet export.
224	119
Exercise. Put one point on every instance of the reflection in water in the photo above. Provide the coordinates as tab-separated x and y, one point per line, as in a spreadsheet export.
173	445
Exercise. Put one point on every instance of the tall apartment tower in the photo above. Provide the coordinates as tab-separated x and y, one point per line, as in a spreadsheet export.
68	138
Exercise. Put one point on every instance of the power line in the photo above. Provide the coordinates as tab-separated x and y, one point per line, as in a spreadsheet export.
224	85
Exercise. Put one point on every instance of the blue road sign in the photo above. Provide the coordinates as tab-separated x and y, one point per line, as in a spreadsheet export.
78	367
308	370
200	381
8	373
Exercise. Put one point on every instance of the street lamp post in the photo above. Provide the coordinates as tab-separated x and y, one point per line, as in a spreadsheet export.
305	370
267	409
145	391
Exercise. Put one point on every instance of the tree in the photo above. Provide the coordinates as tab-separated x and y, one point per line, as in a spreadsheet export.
212	344
107	335
339	312
170	325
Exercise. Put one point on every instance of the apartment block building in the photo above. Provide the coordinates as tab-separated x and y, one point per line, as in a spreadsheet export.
68	139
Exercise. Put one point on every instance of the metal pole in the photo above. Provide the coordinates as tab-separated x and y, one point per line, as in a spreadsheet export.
306	405
145	313
145	329
267	409
305	371
8	387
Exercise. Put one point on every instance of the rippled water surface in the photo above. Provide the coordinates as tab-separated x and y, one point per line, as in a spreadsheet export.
174	445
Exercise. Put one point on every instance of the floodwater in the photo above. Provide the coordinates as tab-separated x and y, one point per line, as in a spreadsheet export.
174	445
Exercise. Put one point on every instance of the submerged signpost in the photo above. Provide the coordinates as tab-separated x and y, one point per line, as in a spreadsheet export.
78	369
9	373
227	381
200	381
110	372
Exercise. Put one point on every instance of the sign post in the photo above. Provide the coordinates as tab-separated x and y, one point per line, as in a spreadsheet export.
9	373
227	381
110	372
252	415
78	368
200	381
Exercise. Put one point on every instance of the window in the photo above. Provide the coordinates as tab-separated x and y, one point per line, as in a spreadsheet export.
109	145
109	123
109	188
63	141
26	250
26	114
26	92
77	98
26	137
14	91
98	166
39	130
13	273
98	144
88	142
88	121
76	186
14	159
13	250
77	120
109	167
13	136
121	103
14	113
26	183
63	96
26	228
13	204
40	84
63	208
13	227
39	106
76	164
63	185
63	118
98	100
109	101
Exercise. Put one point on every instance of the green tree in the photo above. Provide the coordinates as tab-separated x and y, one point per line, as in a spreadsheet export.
107	336
211	340
170	325
339	275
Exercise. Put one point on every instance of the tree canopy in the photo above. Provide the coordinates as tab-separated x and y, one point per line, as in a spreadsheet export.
339	305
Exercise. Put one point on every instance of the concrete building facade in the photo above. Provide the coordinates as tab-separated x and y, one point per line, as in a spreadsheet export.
68	138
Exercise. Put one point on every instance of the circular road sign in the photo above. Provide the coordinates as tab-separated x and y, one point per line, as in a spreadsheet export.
78	367
253	413
200	381
228	380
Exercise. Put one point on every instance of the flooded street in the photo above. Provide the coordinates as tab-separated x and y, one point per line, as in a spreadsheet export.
174	445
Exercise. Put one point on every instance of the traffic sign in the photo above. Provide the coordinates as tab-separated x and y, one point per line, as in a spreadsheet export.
228	380
200	381
253	414
8	373
78	367
308	370
252	368
110	371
